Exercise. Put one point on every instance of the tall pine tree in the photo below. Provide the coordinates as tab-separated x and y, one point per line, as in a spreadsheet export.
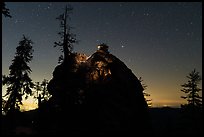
192	90
18	81
67	38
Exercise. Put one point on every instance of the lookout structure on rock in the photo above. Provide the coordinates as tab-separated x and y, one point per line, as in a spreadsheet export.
97	95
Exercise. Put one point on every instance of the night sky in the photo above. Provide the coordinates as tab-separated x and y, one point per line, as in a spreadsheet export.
160	42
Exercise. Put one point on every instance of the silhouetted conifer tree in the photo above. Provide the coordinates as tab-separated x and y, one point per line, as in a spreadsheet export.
18	82
5	11
67	38
192	90
149	101
37	88
42	93
45	93
3	105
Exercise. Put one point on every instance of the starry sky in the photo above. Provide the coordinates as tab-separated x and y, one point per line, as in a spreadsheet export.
159	41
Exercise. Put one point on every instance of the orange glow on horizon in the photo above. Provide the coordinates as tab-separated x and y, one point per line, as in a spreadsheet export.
30	105
169	103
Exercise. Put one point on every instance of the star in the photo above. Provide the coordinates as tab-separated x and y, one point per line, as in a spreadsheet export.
99	9
132	13
19	21
107	23
188	33
122	46
146	14
16	21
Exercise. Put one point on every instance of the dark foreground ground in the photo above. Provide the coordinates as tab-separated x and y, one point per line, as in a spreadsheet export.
173	122
165	122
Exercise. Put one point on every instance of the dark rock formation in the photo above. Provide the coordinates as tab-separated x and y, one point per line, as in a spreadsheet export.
98	95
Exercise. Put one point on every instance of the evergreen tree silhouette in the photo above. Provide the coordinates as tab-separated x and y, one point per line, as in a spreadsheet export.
42	93
67	38
45	93
5	11
18	81
192	90
3	105
38	88
149	101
